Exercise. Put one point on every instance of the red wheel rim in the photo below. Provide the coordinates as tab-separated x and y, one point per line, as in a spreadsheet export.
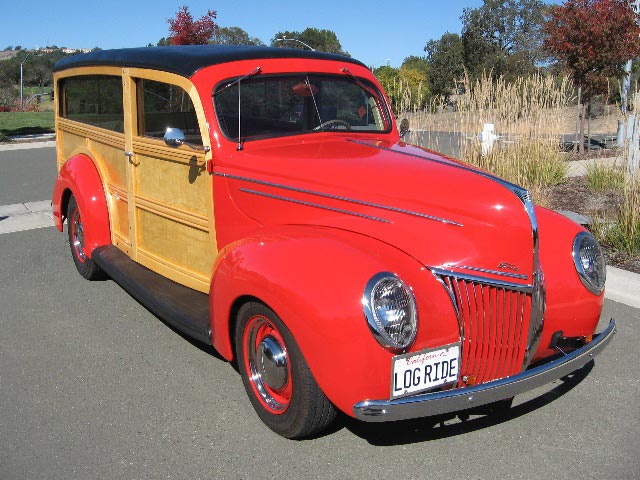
267	363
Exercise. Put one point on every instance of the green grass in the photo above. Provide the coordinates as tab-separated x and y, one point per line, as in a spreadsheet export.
25	123
602	178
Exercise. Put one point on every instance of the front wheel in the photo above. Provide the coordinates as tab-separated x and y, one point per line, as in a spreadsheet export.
75	228
276	377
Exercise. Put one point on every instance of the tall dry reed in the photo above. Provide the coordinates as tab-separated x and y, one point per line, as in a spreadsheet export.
527	114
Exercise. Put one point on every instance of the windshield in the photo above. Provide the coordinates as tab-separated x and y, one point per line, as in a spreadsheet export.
286	105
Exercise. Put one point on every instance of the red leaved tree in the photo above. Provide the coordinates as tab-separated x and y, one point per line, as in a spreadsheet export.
593	39
183	30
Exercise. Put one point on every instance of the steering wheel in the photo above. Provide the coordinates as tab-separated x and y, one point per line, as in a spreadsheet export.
333	124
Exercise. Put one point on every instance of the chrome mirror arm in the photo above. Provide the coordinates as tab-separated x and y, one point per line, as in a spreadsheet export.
174	137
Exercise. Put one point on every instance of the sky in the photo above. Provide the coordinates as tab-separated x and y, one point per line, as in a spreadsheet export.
376	33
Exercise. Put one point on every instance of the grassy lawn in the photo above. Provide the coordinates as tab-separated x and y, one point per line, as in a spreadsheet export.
25	123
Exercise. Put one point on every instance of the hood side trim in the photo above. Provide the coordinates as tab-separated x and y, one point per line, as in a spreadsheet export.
342	199
315	205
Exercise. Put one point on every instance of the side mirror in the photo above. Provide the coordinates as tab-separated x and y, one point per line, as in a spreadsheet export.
174	137
404	127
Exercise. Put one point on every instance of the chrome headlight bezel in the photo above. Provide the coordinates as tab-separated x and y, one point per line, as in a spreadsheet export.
590	265
377	290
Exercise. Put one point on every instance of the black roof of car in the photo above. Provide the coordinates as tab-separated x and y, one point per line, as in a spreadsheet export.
186	60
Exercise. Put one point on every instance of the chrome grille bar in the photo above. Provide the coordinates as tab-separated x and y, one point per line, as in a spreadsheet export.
499	326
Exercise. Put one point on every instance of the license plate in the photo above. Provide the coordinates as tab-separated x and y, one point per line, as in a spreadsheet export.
416	372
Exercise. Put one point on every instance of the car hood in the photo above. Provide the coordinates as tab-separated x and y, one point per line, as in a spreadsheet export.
436	209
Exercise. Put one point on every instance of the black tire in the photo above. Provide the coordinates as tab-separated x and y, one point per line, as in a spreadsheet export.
276	377
75	229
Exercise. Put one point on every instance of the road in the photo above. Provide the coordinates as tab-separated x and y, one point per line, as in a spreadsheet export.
94	386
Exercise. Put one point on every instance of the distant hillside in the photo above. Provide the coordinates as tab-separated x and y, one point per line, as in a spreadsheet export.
7	54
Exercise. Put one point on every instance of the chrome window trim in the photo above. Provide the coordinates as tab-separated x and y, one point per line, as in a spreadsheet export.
341	198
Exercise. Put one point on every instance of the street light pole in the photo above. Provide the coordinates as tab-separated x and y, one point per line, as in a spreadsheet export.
21	95
285	39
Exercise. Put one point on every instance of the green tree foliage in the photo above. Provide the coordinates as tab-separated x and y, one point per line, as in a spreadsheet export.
445	58
407	86
321	40
233	36
503	36
37	72
414	77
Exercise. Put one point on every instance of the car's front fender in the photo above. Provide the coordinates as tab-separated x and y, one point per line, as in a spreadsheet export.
314	278
571	308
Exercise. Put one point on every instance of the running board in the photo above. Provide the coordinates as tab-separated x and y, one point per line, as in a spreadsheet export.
181	307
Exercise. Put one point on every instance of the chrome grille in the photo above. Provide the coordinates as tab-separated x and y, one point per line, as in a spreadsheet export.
500	324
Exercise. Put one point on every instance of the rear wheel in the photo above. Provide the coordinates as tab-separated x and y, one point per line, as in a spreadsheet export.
276	377
75	228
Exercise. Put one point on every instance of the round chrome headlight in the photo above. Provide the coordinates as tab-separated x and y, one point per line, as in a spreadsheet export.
589	262
390	310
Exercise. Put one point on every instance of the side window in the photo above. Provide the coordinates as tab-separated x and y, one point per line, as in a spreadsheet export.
94	100
162	105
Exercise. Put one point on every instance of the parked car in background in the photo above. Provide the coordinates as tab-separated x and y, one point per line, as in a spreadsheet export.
262	201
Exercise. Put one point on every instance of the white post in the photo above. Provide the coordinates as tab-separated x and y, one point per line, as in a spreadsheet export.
487	138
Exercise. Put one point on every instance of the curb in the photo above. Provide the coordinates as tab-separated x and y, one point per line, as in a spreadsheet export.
623	286
27	145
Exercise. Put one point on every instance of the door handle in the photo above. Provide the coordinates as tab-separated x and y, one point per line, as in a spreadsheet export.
130	156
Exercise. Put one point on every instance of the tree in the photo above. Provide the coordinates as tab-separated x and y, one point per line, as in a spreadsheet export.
445	58
593	39
321	40
503	36
234	36
185	31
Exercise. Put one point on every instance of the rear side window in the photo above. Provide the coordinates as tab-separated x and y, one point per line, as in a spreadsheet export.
94	100
166	106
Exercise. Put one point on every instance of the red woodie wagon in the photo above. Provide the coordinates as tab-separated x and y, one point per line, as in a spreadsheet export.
261	201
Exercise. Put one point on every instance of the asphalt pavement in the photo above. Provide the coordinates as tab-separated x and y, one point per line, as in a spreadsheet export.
94	386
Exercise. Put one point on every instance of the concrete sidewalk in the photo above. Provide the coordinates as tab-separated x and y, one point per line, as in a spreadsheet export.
41	141
25	216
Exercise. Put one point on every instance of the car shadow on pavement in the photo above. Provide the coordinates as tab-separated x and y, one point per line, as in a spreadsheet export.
459	423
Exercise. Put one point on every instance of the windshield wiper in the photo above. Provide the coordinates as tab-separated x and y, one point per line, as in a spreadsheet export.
253	72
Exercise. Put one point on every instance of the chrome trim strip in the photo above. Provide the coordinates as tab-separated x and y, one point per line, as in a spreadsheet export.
493	272
316	205
484	280
342	199
447	401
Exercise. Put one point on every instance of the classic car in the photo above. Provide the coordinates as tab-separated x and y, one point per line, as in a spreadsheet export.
261	200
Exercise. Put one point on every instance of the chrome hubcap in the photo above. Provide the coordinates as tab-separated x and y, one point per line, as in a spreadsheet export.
272	363
268	365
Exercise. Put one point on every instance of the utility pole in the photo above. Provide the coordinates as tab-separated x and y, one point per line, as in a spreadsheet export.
21	95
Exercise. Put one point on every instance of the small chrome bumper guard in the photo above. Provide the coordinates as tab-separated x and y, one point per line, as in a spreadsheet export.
437	403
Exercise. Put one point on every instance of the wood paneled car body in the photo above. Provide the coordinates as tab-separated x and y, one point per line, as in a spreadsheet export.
261	201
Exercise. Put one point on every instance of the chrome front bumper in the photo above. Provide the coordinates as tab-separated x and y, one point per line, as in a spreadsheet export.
437	403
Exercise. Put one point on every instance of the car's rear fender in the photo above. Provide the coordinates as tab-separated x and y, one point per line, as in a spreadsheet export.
79	177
